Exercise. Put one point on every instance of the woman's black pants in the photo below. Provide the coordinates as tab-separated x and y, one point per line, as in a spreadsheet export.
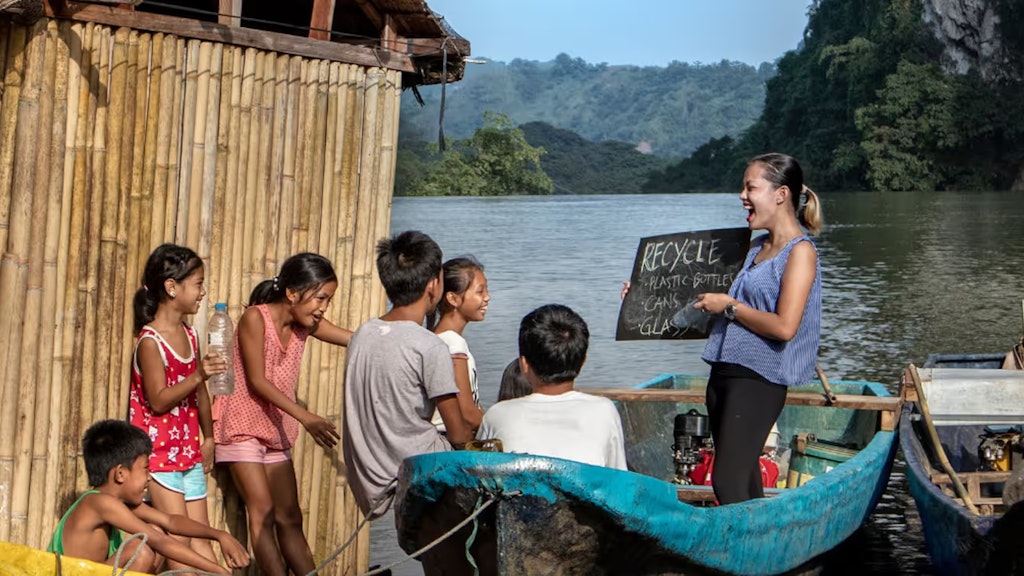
742	406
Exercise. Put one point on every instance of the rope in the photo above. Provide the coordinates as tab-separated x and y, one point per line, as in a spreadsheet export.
472	538
138	550
387	496
440	538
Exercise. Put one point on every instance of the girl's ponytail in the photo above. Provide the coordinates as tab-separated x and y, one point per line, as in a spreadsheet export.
810	214
145	305
265	292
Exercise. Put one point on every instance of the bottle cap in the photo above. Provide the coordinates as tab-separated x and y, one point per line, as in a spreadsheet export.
221	306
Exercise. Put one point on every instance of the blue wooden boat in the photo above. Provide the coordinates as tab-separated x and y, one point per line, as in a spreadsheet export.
965	394
552	516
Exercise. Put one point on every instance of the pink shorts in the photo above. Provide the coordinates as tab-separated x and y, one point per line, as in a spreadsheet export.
250	451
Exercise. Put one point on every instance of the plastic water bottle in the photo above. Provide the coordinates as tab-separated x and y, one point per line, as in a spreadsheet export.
221	338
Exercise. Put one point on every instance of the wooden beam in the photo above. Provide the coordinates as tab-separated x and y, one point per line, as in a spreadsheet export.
261	39
371	13
229	12
985	477
696	396
322	20
706	494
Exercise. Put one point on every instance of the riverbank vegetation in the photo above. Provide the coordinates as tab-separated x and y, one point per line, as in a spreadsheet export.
871	99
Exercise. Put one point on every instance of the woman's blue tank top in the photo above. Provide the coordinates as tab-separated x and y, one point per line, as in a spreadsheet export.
758	286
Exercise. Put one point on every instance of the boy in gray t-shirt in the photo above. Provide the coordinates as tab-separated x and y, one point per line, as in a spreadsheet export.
397	371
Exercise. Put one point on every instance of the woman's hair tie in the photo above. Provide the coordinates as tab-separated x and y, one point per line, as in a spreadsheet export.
275	283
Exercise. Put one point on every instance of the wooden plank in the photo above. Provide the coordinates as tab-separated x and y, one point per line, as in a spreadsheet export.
706	494
696	396
260	39
322	20
986	477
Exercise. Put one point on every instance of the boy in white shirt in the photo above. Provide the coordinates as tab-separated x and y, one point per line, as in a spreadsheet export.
556	420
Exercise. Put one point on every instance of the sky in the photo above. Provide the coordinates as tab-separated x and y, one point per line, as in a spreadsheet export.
639	32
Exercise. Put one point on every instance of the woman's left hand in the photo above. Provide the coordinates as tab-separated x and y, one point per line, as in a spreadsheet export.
712	302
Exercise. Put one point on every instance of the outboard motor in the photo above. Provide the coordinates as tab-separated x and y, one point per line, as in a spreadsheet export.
692	445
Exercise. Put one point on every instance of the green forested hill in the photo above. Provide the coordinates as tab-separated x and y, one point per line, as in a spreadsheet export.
870	101
672	109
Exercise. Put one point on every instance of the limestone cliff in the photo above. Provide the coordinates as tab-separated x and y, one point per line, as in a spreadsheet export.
969	32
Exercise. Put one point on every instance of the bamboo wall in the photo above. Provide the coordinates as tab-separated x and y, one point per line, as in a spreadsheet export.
113	141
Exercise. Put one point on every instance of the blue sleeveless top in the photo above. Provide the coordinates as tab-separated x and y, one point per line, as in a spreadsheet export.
758	286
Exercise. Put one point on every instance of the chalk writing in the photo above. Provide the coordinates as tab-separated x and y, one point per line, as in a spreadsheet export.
669	272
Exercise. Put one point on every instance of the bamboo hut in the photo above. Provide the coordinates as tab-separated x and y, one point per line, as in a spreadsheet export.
247	131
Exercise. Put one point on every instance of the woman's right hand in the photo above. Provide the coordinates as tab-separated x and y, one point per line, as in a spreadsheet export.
322	430
212	365
625	290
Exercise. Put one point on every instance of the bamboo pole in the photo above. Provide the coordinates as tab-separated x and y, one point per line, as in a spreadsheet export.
207	233
227	178
279	142
262	265
110	275
933	435
161	113
238	156
45	480
218	178
174	171
251	80
20	305
79	39
95	345
190	117
33	433
307	107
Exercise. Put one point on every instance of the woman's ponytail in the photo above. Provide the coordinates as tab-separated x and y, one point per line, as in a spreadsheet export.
265	292
809	214
144	305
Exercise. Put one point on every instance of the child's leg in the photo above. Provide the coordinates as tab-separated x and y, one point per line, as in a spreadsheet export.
253	485
288	518
148	561
196	508
170	501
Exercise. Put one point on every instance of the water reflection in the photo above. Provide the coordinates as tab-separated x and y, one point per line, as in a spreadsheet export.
904	275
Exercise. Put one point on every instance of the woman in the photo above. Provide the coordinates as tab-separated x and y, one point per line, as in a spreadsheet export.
767	336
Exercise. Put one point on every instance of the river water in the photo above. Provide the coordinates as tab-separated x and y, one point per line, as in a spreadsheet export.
904	275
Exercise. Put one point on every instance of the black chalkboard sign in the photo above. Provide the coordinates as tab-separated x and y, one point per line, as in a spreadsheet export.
669	272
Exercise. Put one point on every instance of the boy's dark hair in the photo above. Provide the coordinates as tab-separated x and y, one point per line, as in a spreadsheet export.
303	273
513	383
554	341
167	261
108	443
406	263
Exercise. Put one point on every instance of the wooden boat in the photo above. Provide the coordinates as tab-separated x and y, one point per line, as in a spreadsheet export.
552	516
967	528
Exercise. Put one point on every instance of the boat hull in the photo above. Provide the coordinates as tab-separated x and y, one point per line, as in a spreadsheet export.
959	542
553	516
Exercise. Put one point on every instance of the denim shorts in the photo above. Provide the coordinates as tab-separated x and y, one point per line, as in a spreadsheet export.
191	483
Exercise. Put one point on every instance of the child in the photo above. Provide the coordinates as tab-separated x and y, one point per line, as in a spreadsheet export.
513	383
117	458
464	300
256	426
556	420
168	398
397	373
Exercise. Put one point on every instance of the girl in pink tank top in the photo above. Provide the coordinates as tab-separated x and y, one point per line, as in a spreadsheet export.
257	424
168	398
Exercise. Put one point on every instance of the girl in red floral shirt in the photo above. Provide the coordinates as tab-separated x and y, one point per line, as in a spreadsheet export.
168	397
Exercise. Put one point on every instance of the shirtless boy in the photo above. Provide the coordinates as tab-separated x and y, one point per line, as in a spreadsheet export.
117	461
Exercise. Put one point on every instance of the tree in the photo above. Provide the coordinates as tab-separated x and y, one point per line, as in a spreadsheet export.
497	160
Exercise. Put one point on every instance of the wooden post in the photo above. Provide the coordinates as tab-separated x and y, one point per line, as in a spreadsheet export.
230	12
322	19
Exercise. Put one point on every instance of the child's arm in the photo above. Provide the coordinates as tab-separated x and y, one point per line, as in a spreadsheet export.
234	552
160	396
206	425
114	512
471	413
250	343
456	428
327	332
